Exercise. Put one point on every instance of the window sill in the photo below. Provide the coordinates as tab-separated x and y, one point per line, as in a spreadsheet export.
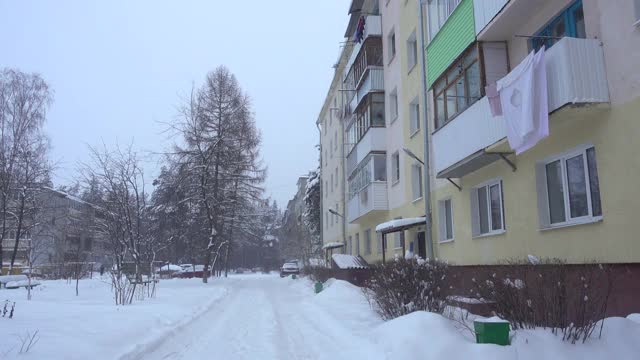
393	119
416	200
414	133
490	234
445	241
637	24
395	182
591	220
411	68
391	59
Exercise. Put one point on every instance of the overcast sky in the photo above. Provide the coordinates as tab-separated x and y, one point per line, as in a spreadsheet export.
120	68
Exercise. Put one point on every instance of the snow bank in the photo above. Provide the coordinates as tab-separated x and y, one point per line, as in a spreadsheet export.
424	335
90	326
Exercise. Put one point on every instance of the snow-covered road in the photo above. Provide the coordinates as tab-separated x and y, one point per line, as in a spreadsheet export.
266	317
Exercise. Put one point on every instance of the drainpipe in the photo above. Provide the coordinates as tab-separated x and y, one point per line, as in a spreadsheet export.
343	184
321	195
425	124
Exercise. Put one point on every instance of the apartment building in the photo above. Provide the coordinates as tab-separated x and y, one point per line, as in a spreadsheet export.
330	123
382	126
570	196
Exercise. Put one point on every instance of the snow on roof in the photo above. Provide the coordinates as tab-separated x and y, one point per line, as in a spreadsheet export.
344	261
332	245
400	224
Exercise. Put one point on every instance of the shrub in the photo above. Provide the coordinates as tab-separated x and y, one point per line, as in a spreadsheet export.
406	285
568	299
318	273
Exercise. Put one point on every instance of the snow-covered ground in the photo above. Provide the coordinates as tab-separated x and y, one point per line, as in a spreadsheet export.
265	317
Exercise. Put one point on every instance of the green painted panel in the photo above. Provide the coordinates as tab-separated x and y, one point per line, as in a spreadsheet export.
456	35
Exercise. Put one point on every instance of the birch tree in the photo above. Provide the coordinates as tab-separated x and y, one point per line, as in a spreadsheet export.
24	100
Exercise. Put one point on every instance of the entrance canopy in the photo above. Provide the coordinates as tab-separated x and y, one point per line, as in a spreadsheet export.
396	226
400	225
332	245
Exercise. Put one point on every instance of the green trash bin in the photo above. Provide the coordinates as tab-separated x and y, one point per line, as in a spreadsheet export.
492	331
318	287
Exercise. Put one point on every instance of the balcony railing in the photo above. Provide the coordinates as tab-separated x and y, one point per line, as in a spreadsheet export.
372	198
373	140
575	75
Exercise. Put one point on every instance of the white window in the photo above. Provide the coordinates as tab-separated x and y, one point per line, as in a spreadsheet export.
437	14
367	242
487	209
414	116
379	243
349	246
392	44
393	105
568	188
357	245
395	167
412	51
445	220
416	181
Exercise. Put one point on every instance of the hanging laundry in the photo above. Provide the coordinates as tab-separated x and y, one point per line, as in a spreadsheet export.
523	98
494	99
359	35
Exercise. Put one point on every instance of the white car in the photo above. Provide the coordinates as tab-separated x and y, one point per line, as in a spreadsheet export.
289	268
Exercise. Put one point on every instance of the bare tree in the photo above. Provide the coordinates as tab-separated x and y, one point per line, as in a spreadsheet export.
24	99
119	178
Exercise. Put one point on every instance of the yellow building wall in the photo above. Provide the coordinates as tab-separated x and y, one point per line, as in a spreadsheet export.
616	239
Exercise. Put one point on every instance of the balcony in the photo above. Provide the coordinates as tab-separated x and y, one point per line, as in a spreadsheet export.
372	198
575	76
374	140
371	81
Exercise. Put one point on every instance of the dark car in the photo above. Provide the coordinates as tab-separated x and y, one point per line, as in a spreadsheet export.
289	268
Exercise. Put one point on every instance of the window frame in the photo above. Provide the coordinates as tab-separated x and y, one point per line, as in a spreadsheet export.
543	189
448	11
448	84
395	168
414	117
393	106
412	51
357	244
391	38
442	219
477	228
567	15
416	183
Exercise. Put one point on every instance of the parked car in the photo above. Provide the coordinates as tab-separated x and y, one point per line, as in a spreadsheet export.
289	268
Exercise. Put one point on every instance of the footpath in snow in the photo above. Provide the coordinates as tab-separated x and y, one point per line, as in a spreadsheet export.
266	317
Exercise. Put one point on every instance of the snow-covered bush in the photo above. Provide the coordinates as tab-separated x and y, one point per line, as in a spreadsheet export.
403	286
568	299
